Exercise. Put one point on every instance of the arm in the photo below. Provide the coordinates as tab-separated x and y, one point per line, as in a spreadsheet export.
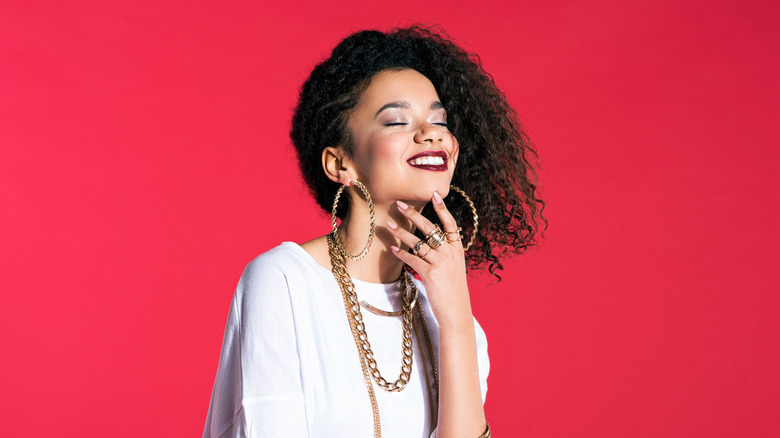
443	271
460	399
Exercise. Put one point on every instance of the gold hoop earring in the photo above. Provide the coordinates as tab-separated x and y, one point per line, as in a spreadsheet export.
335	233
474	216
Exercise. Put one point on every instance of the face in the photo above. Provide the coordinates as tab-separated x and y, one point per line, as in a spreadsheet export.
402	149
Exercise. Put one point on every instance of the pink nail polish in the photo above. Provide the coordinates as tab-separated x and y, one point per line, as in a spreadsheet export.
401	205
392	225
436	198
394	248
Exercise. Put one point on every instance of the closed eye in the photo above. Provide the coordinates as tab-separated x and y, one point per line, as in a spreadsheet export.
396	124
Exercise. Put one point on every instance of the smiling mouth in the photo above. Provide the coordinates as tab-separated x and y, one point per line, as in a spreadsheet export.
429	160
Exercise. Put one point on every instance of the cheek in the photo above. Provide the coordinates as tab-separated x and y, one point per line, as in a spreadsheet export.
454	148
383	151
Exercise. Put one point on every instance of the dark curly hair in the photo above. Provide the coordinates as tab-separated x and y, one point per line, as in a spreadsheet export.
496	156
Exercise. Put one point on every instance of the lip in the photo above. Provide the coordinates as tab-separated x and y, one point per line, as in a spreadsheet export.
433	167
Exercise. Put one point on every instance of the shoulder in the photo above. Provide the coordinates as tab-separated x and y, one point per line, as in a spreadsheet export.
283	260
268	276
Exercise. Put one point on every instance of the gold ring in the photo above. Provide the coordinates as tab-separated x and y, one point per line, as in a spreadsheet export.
426	254
457	231
418	246
435	238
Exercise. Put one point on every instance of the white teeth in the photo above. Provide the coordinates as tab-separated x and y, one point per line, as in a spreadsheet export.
429	161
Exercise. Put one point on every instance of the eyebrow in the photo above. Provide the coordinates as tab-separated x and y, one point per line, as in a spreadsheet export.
405	105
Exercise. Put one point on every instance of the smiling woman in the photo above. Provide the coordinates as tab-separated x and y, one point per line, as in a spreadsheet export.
385	129
398	129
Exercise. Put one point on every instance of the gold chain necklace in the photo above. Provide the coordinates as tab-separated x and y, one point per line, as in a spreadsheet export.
367	362
428	386
356	320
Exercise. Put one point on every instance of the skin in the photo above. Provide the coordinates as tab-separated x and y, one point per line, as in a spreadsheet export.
398	116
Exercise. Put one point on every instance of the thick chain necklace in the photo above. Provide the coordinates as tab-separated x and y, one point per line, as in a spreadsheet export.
358	328
356	321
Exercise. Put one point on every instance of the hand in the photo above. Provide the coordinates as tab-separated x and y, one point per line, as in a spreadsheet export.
442	270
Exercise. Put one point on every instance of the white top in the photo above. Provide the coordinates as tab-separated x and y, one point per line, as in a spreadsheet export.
289	366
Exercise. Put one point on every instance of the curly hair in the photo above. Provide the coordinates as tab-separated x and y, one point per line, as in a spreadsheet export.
496	156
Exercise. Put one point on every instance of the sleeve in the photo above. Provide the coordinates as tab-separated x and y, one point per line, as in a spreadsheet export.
482	359
257	391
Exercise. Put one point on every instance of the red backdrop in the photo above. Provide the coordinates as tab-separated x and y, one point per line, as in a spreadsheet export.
144	160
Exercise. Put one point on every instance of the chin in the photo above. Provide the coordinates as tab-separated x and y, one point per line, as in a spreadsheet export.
426	194
442	188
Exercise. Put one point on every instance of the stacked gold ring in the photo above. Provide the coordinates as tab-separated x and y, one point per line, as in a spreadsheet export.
457	231
435	238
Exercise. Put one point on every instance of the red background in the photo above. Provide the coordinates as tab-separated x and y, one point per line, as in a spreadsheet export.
144	160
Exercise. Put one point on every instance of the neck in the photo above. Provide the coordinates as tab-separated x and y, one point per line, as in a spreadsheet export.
379	265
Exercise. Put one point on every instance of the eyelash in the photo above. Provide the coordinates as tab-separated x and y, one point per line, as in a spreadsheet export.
404	124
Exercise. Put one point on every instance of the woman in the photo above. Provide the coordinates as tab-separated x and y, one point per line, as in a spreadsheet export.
382	129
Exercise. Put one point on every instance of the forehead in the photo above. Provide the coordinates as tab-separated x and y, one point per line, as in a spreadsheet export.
399	85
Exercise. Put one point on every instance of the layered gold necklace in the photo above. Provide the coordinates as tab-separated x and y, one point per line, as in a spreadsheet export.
367	359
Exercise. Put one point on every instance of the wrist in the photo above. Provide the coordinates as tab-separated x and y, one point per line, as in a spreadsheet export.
451	308
457	324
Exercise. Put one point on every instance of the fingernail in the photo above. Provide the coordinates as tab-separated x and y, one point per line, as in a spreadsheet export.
436	198
392	225
401	205
394	248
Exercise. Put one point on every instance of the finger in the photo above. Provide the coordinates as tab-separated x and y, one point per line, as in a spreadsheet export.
407	238
410	259
419	221
447	221
411	241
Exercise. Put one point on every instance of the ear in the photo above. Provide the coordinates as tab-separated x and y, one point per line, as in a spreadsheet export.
338	166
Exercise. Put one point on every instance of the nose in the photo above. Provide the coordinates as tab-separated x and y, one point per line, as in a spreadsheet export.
429	133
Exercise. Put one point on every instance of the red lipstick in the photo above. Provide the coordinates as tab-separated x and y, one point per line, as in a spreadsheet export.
429	160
